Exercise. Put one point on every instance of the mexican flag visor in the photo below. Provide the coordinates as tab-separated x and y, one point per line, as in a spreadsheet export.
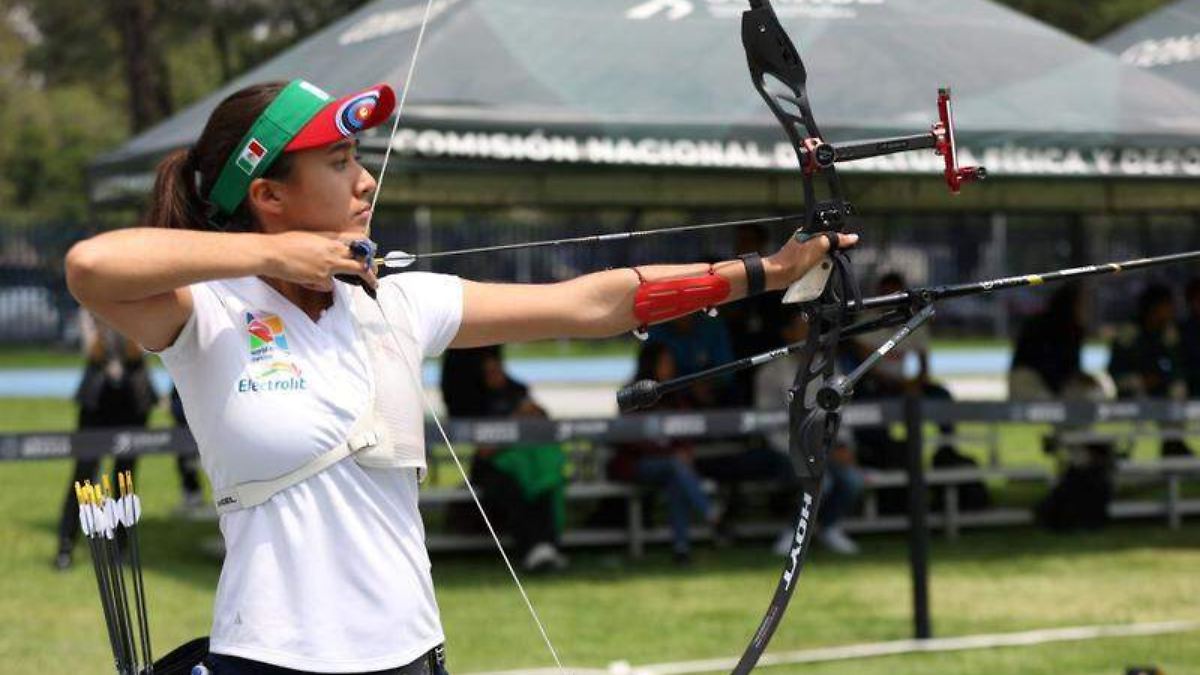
301	117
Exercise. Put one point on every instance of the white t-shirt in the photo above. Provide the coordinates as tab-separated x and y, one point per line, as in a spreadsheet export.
329	575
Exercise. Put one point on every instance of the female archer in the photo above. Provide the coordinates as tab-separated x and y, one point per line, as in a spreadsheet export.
303	393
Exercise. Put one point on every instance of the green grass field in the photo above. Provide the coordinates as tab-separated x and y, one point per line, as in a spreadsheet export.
607	608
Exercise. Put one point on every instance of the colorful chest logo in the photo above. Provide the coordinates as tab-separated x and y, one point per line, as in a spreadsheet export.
271	365
266	331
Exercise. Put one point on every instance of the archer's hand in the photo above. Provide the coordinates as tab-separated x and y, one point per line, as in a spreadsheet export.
311	259
795	259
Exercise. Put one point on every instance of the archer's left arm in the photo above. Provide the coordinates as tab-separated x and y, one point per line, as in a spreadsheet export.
602	304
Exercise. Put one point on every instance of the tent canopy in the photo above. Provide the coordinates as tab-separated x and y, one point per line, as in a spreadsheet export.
1165	42
664	83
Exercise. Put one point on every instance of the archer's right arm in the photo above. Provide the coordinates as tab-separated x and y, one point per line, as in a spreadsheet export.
137	279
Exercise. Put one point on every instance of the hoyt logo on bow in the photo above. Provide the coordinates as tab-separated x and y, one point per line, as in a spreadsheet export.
798	542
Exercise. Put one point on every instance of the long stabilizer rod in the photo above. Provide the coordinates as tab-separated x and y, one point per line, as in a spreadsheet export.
933	293
402	259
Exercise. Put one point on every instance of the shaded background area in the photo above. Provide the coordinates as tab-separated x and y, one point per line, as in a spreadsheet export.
35	308
79	79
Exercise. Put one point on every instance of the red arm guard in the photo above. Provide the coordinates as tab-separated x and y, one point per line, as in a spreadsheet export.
658	301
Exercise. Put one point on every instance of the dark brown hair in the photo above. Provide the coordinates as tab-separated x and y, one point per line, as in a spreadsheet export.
185	177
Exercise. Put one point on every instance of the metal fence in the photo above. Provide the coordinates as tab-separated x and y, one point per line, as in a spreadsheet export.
35	306
931	248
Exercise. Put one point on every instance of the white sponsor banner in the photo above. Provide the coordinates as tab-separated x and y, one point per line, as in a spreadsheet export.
1168	51
676	10
540	147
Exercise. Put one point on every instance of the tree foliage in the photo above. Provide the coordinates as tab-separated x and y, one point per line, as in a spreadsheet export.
1088	20
66	79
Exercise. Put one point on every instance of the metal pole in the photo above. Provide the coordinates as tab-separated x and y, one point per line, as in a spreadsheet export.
918	515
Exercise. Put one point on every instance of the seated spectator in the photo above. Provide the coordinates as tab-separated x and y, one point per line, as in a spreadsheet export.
521	485
843	482
889	379
1145	361
1048	358
698	342
666	465
1047	364
1189	339
1145	356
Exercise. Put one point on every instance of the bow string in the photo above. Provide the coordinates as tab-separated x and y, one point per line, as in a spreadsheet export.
416	376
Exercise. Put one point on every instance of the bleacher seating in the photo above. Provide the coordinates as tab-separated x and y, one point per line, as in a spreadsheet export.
950	520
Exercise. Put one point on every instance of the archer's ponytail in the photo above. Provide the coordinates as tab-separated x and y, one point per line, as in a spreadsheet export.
175	202
185	177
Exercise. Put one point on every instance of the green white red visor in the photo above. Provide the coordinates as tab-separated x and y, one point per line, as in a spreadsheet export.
301	117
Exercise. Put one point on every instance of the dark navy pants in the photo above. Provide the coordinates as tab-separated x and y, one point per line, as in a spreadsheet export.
433	663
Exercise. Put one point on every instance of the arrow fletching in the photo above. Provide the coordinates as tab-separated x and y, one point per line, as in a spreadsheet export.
397	260
130	509
85	520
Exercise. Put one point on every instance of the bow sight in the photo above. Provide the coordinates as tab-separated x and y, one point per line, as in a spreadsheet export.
817	155
771	55
774	62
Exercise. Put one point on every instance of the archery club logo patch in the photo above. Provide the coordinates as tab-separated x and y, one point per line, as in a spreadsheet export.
353	115
271	363
251	156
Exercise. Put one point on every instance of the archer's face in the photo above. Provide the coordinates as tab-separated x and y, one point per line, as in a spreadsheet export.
327	190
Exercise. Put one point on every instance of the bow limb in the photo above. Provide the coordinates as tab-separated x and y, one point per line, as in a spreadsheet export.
812	435
774	62
416	376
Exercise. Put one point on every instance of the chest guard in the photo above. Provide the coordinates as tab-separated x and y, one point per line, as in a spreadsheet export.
390	431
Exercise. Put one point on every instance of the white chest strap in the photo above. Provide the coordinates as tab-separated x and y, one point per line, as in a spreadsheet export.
253	493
